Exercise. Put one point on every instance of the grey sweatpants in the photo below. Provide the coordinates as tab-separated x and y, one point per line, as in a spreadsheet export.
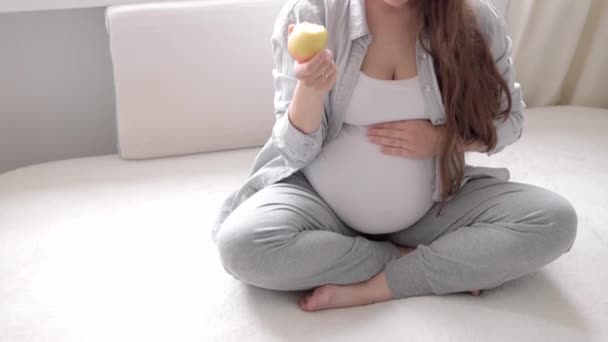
285	237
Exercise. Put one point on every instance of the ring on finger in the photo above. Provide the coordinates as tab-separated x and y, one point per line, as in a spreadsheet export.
325	74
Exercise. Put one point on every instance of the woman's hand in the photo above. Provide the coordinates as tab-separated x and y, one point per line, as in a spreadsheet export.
318	74
414	139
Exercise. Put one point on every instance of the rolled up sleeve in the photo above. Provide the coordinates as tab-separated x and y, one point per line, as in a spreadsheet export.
510	130
297	147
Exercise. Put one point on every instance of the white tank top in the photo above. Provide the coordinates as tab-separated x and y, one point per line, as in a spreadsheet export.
372	192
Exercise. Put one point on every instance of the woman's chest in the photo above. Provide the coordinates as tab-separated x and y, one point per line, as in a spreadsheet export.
391	54
376	101
390	58
358	55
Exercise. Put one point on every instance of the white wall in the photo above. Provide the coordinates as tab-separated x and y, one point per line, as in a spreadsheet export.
56	88
38	5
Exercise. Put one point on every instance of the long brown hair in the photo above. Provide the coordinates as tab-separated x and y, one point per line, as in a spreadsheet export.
470	85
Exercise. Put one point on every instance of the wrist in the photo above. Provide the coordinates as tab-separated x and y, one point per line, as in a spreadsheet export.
309	92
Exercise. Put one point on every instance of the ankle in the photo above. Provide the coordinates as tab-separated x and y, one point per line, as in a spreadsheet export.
403	250
378	289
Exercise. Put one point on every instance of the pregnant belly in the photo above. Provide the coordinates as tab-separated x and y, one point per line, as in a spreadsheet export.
371	192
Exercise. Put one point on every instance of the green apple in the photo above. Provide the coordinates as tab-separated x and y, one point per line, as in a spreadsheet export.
306	40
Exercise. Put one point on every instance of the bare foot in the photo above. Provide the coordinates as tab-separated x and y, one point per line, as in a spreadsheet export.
333	296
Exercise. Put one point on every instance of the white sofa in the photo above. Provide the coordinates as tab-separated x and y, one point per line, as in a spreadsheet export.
111	248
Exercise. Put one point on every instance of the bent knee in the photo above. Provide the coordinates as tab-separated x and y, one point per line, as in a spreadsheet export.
248	245
231	248
565	222
559	221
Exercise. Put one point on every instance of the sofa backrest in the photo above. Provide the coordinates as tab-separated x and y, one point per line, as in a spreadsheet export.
193	76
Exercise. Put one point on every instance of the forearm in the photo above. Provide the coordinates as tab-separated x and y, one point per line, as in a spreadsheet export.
298	135
306	109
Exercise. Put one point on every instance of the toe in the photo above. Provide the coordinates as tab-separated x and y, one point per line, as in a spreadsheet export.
308	301
303	303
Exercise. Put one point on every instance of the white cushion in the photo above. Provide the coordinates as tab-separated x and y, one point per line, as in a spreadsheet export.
103	249
192	76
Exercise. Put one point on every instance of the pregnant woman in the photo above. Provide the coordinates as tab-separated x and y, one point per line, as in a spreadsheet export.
362	194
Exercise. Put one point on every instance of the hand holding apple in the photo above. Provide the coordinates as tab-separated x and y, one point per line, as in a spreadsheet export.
314	66
306	40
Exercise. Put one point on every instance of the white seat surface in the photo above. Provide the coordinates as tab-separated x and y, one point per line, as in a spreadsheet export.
103	249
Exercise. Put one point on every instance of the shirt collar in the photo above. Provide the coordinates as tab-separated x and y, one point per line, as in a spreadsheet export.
358	22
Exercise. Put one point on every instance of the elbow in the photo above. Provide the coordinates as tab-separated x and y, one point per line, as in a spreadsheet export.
517	126
518	123
296	157
298	149
508	131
